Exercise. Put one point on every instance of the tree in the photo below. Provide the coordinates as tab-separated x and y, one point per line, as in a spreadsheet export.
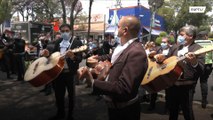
90	10
75	7
44	10
38	10
64	11
154	5
5	10
20	6
176	13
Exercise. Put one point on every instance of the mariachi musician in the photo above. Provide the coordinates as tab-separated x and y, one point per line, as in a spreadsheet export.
65	80
19	54
129	65
7	61
181	93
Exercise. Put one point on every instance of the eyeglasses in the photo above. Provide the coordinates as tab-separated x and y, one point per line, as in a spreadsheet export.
62	31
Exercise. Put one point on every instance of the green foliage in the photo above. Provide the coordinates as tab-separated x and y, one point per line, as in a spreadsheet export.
210	35
167	13
164	34
5	10
203	28
172	39
176	13
159	39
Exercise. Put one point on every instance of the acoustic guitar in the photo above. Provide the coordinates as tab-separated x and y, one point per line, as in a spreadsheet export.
164	75
43	70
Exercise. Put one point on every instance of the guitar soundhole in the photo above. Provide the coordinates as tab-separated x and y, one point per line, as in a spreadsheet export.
149	73
163	66
35	68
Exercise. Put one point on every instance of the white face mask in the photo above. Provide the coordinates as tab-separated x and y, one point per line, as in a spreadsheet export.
164	45
181	40
117	39
116	32
66	36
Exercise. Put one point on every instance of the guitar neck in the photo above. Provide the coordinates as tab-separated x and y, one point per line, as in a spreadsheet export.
76	50
198	52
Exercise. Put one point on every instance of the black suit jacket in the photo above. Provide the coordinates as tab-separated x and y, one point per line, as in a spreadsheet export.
72	64
125	74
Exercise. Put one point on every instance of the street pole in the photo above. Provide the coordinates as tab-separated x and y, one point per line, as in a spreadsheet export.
152	19
151	23
154	5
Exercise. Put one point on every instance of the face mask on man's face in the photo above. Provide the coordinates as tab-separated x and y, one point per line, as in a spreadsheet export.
164	45
66	35
117	38
181	40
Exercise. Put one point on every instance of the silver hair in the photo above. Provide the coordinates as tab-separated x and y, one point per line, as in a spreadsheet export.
189	30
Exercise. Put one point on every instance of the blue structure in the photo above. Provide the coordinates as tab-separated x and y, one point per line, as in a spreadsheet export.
143	14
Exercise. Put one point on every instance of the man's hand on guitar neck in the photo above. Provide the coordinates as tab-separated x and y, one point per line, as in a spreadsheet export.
70	54
45	53
152	54
93	58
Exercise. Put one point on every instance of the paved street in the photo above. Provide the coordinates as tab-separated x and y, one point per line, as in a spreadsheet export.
210	90
21	101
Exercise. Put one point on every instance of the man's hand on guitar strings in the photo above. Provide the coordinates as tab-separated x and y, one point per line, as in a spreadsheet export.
190	56
159	58
70	54
152	54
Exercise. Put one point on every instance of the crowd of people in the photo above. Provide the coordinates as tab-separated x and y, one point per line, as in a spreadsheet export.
129	63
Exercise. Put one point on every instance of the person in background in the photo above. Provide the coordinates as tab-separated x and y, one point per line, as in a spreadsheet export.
51	44
50	47
163	49
129	65
109	44
151	50
65	81
182	92
8	61
57	36
203	35
19	53
41	44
